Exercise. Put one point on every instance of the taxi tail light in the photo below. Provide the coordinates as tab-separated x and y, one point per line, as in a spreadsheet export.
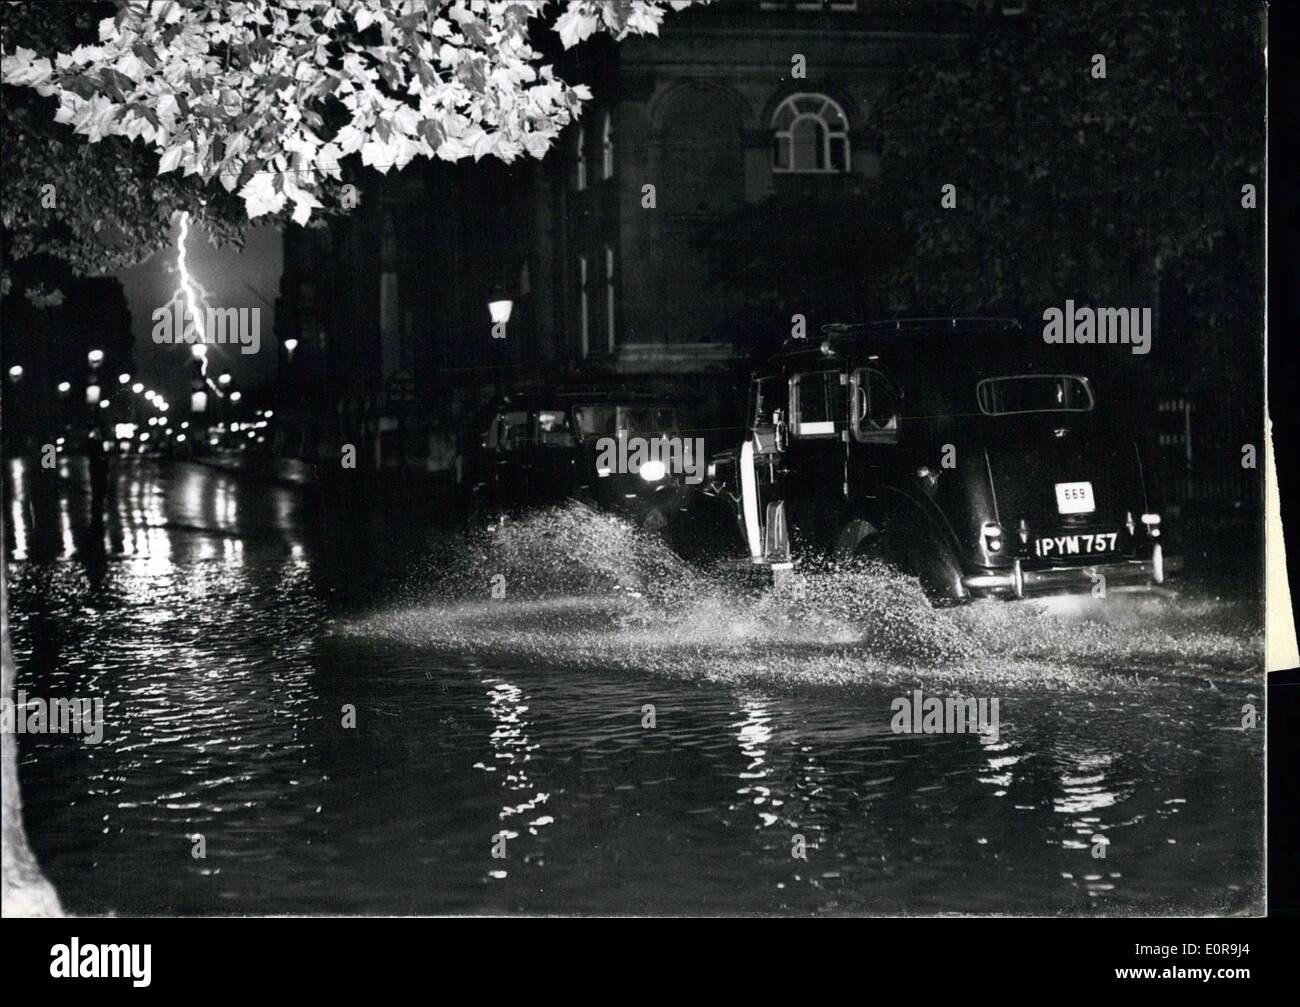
992	534
1152	523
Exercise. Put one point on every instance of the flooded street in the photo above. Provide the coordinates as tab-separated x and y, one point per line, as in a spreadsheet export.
636	733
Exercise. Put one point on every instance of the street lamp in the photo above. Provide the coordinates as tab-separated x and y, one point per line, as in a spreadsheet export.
224	379
65	387
500	306
290	345
95	357
123	378
138	387
16	373
199	350
236	396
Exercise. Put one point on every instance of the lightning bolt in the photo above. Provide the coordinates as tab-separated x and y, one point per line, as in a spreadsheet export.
194	296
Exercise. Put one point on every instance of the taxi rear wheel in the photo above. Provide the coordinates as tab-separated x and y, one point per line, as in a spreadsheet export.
858	539
917	552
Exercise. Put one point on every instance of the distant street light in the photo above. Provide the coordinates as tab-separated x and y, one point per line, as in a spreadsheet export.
92	395
137	387
290	345
103	404
225	378
95	357
123	378
16	373
199	350
236	396
65	387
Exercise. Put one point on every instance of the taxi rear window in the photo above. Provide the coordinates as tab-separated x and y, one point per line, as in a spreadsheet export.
1034	393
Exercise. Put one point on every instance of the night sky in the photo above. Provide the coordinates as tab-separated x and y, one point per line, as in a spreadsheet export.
227	274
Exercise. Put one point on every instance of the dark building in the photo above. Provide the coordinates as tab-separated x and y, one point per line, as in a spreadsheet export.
66	339
603	246
598	245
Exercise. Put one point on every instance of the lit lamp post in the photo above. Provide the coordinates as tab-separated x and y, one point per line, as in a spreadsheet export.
93	391
500	306
15	378
64	389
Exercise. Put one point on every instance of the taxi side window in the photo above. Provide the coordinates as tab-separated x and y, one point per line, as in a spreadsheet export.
554	429
877	406
596	421
509	432
817	404
769	396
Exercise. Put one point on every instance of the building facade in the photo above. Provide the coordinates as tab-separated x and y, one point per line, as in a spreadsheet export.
386	337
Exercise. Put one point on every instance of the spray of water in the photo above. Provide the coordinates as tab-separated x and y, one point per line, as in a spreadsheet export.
580	589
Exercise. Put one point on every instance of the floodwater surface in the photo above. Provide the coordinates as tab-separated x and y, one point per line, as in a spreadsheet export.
308	710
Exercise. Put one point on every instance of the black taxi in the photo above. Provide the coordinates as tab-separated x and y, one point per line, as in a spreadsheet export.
955	448
618	450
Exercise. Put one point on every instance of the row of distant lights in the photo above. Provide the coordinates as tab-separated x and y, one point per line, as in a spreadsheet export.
16	375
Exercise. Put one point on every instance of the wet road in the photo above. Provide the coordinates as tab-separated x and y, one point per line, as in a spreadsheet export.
345	712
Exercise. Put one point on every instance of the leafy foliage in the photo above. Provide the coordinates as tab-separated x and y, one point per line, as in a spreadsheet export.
268	98
1070	184
96	207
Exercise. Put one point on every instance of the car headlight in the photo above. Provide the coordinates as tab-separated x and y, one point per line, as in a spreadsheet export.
653	471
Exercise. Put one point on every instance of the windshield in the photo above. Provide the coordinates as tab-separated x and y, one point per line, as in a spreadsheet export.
1034	393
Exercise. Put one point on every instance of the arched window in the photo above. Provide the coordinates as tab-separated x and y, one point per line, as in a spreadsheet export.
810	134
607	148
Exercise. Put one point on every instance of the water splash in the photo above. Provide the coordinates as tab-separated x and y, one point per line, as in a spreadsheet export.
581	589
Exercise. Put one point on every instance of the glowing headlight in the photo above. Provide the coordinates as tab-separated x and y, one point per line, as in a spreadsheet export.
653	471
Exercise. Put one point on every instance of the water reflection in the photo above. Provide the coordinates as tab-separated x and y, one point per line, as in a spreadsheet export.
512	751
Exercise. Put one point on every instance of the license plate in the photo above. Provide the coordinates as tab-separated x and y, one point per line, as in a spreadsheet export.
1095	544
1074	498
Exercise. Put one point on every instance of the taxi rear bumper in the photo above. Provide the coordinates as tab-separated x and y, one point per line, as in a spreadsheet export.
1020	582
